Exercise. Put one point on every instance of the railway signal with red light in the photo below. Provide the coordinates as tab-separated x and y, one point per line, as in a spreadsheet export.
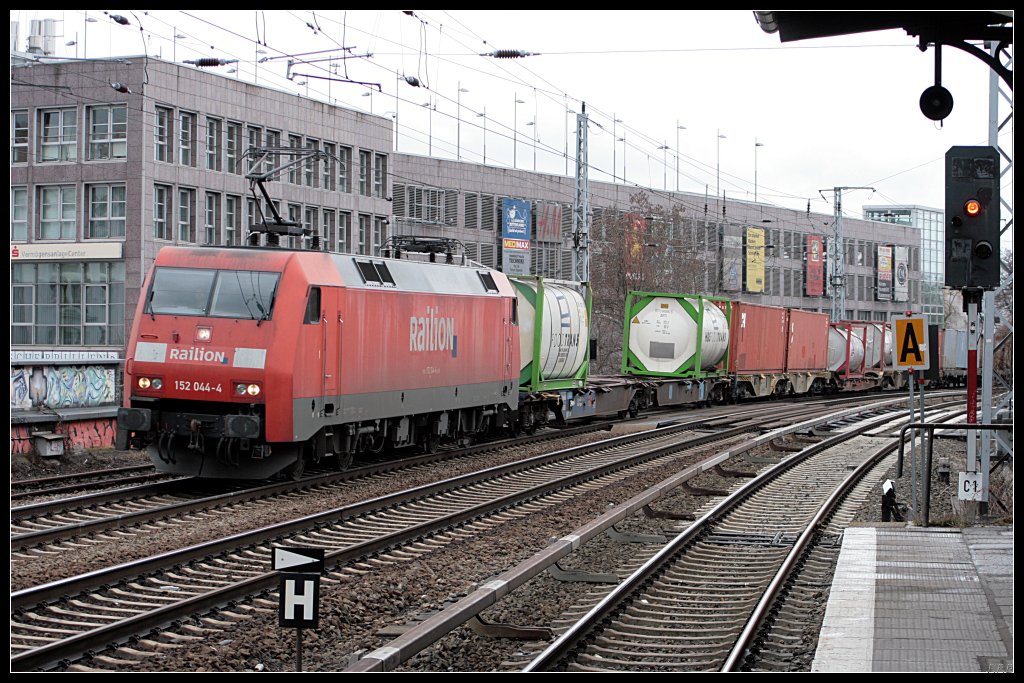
972	217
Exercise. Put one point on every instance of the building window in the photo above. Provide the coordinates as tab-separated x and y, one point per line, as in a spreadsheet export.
162	135
68	304
186	222
273	138
211	222
214	130
106	211
108	132
380	233
186	139
380	175
344	226
330	230
56	220
329	173
19	214
311	219
312	177
364	233
161	210
232	143
58	135
19	137
295	142
344	169
231	219
254	135
364	173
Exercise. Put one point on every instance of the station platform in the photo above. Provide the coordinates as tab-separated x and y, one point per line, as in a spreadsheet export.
913	599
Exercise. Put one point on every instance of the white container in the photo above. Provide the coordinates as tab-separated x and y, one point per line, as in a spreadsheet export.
564	329
663	335
837	343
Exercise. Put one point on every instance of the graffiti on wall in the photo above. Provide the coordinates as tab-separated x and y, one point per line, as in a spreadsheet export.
79	434
63	386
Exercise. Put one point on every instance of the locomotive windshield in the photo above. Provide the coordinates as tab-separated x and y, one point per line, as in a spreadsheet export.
244	294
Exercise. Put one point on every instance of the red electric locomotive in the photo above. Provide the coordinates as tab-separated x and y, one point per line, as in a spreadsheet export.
246	361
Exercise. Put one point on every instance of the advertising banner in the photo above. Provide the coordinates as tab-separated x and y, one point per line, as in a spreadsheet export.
884	291
732	263
515	234
901	273
815	279
754	263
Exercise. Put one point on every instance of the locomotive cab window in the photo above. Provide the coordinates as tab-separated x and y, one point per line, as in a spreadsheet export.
240	294
313	307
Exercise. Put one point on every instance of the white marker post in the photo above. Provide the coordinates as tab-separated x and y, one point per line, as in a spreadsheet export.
911	353
298	591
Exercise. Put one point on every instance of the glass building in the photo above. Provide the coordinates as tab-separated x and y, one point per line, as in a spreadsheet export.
933	243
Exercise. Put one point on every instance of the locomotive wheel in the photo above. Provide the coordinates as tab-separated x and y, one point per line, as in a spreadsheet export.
344	461
431	443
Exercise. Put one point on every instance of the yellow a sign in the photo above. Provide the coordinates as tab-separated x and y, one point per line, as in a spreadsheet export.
910	343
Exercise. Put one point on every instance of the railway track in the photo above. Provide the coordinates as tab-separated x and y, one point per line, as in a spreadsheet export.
65	619
699	603
56	526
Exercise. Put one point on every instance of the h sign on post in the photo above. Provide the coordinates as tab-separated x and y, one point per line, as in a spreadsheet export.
300	600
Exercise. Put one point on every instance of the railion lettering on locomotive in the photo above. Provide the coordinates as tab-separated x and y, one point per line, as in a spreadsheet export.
195	353
432	332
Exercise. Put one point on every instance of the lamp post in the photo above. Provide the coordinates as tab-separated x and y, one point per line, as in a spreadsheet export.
664	163
515	129
458	127
534	124
568	113
623	141
718	167
484	115
756	145
678	128
430	128
615	138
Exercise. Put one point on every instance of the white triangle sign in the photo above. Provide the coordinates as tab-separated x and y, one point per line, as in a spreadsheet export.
285	559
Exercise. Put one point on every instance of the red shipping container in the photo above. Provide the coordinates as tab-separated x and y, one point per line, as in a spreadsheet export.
757	338
808	341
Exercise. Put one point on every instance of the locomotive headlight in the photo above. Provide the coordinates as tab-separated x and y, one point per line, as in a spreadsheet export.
251	389
204	334
158	383
144	383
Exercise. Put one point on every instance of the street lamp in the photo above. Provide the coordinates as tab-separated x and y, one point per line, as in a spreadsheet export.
430	128
515	129
678	128
484	115
458	133
623	141
664	163
533	123
615	164
756	145
718	166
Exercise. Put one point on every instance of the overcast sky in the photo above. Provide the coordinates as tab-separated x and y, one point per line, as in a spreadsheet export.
829	112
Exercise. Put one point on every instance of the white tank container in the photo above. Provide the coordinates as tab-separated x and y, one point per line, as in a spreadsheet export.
837	341
663	335
875	344
565	329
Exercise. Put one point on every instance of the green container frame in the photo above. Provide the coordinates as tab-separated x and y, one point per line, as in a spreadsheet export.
530	380
636	301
